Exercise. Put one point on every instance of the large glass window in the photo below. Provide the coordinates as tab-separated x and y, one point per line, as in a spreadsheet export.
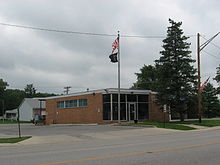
143	98
115	111
106	111
106	98
115	98
143	111
131	98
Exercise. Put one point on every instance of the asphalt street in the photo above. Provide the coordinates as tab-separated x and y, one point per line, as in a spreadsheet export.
118	145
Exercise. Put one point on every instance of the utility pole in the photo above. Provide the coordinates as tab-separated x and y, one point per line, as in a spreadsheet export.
199	80
67	88
3	109
19	125
199	94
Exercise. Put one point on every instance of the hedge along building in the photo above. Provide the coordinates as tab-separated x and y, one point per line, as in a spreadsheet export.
100	106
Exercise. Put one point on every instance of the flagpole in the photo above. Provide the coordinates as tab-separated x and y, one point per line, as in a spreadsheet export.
119	105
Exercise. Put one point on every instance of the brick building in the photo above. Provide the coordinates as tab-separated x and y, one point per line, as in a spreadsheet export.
100	106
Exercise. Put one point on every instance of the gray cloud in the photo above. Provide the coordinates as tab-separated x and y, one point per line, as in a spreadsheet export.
53	60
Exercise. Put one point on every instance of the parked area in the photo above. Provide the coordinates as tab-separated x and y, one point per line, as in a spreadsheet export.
11	130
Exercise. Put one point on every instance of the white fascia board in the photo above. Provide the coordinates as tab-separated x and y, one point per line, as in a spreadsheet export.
103	91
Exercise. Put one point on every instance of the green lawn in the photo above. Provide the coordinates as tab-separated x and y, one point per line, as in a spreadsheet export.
12	122
206	123
13	140
161	125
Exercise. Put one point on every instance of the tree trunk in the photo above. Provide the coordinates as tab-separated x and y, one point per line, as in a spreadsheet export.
181	116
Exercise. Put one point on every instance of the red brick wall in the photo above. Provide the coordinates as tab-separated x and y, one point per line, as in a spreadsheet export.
92	113
155	113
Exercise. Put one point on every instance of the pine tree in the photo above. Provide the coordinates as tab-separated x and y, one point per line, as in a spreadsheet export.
210	102
176	75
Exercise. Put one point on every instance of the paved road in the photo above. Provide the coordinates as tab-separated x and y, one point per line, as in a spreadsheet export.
145	146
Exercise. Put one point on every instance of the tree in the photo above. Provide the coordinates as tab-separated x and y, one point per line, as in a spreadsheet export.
217	78
3	86
13	98
146	79
30	90
176	75
210	102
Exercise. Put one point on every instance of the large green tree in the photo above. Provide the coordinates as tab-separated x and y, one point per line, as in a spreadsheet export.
217	78
146	79
176	74
13	98
210	102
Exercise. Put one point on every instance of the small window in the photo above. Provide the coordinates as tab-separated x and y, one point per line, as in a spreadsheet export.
60	104
67	104
82	102
73	103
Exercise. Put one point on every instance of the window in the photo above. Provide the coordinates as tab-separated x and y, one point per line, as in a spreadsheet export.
143	98
143	112
106	98
82	102
131	98
107	111
72	103
60	104
67	104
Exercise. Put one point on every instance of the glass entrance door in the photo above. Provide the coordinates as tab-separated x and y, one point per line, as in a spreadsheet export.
132	112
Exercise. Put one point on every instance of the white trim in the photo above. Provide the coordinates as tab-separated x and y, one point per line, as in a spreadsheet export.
103	91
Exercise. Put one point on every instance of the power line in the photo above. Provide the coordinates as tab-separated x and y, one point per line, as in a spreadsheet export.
211	55
211	43
85	33
55	30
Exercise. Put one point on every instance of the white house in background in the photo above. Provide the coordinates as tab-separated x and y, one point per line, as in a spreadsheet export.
30	107
11	114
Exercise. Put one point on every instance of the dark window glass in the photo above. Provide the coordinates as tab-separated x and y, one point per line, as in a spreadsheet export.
142	98
67	104
115	111
122	98
73	103
131	98
60	104
106	111
143	111
115	98
106	98
123	111
82	102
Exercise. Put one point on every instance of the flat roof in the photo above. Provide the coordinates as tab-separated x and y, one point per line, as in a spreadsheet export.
103	91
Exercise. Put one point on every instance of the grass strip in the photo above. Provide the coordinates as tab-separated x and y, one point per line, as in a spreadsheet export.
206	123
13	140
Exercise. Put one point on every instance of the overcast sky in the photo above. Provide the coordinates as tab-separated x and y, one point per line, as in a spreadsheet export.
52	60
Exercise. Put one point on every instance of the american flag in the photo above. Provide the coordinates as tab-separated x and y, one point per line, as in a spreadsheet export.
204	84
115	45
